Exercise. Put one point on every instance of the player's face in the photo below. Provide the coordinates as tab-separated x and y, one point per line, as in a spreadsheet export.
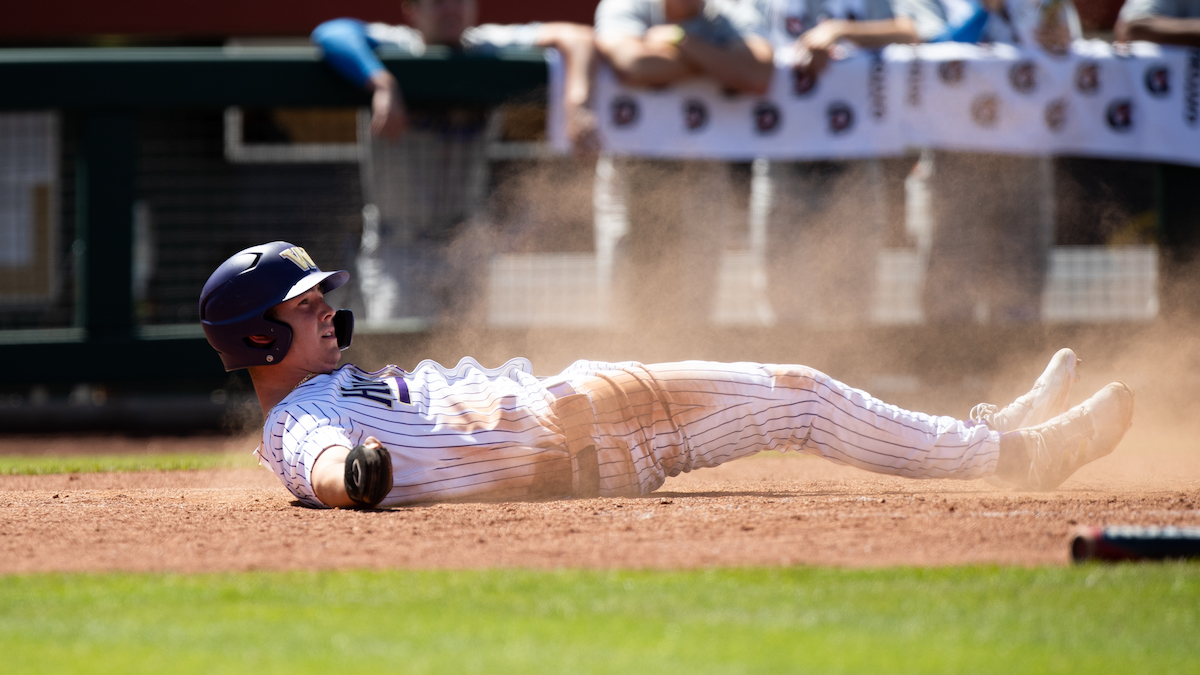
314	344
441	22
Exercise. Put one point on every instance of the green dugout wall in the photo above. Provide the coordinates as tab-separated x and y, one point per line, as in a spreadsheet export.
106	92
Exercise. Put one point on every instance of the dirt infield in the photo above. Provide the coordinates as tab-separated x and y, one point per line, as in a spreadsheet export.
767	510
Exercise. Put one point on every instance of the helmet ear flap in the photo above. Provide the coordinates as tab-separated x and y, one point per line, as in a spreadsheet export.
343	328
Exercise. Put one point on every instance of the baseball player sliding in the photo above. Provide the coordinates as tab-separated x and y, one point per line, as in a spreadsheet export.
340	436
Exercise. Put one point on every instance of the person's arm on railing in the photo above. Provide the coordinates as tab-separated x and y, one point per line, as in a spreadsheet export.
578	49
1161	29
814	46
743	65
640	63
348	48
1157	21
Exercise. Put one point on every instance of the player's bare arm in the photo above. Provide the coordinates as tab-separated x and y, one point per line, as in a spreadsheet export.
1161	29
389	117
441	22
743	65
639	62
813	47
345	477
578	49
329	476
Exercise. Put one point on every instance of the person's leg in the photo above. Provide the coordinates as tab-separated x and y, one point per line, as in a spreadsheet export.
656	421
394	264
959	200
420	190
647	254
708	210
993	224
678	214
825	232
1020	235
611	230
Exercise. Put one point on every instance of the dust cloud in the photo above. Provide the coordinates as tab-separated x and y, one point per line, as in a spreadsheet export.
816	244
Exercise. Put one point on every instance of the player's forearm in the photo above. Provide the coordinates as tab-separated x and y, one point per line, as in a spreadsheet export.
329	477
740	67
382	81
1161	29
642	65
578	50
881	33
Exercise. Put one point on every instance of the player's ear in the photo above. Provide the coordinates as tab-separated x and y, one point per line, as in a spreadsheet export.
260	341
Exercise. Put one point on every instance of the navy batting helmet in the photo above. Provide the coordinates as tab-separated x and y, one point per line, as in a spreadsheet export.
237	296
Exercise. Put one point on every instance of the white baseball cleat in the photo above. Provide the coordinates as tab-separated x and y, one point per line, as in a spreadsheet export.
1047	399
1059	447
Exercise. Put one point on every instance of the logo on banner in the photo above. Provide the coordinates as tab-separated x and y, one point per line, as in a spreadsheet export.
985	110
695	114
1158	80
803	81
1056	114
1087	77
624	111
766	117
1120	115
841	117
1191	92
1023	76
794	25
952	72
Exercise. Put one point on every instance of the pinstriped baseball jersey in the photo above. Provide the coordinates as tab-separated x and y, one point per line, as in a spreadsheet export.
492	434
453	433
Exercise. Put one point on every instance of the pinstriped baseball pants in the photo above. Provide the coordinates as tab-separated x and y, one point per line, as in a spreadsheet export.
655	421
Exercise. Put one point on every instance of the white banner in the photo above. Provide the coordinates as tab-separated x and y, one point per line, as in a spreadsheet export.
1141	101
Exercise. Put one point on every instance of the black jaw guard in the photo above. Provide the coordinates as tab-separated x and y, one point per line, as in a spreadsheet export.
343	328
368	475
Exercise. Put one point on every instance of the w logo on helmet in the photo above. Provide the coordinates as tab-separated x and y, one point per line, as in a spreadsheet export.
300	257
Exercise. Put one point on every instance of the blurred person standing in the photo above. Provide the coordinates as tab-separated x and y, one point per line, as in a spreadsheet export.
1172	22
427	172
826	218
993	216
662	224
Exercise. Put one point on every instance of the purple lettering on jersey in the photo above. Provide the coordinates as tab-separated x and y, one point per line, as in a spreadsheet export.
376	390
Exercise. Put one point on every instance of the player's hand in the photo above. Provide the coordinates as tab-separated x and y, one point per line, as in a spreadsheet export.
582	132
815	47
389	117
667	35
812	62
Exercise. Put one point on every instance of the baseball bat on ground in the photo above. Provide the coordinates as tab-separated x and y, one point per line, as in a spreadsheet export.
1129	542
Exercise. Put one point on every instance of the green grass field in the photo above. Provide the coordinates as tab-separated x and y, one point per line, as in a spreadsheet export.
1114	619
12	465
